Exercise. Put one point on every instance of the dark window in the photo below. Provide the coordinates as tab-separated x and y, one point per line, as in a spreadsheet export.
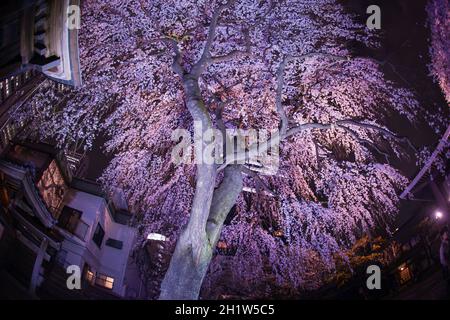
114	243
69	218
98	235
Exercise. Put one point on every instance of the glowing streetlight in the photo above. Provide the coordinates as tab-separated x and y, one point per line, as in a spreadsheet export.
439	215
156	237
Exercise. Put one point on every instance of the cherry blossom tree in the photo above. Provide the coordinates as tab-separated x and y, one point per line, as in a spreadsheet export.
151	67
438	17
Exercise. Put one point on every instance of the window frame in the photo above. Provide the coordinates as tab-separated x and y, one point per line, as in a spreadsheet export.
98	236
67	223
102	280
114	243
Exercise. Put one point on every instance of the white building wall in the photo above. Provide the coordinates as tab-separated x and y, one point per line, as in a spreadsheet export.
106	260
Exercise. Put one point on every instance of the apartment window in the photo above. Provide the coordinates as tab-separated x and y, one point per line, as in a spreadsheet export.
98	235
405	274
89	275
104	281
114	243
7	88
69	219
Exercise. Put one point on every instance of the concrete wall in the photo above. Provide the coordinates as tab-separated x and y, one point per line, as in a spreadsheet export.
106	260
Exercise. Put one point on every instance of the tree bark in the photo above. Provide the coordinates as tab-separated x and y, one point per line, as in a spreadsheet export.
195	247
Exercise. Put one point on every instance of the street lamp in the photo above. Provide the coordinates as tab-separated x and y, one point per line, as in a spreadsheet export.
156	237
438	215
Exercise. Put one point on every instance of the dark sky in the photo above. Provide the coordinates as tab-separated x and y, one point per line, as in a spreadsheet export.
405	45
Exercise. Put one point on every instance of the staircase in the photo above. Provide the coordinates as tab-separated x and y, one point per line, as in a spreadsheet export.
20	262
54	287
40	27
42	59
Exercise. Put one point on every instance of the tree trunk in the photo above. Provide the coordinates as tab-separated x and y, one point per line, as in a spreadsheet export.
194	248
184	277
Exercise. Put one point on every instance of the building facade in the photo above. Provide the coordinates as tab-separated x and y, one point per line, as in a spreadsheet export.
36	35
51	222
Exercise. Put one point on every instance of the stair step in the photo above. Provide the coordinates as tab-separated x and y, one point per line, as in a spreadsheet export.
40	49
40	24
40	37
42	9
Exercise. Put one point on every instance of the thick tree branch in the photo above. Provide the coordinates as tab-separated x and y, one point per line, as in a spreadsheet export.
284	122
177	59
277	138
198	68
225	197
382	130
258	180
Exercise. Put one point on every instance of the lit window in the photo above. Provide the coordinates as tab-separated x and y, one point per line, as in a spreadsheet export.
404	273
6	88
90	276
104	281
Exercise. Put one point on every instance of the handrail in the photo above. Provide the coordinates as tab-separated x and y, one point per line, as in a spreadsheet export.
427	165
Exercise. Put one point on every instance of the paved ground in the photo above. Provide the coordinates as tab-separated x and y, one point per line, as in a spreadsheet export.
432	287
11	289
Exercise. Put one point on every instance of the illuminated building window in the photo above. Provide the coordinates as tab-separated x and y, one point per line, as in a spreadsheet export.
104	281
404	273
7	88
90	276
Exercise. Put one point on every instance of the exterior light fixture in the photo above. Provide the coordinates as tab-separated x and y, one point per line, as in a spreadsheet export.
156	237
438	215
